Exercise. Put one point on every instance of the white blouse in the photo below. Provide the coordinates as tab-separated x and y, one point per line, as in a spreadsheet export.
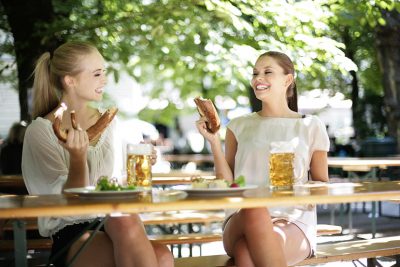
45	165
255	134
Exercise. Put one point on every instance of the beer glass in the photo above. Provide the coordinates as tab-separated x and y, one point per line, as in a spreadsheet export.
281	173
138	165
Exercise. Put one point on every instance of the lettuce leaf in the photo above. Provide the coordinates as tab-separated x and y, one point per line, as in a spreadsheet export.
241	181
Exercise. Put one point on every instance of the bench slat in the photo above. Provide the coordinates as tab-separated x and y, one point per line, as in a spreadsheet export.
150	219
186	238
46	243
181	218
350	250
342	251
35	244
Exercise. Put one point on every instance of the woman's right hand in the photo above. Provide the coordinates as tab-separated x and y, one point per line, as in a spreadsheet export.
202	127
77	143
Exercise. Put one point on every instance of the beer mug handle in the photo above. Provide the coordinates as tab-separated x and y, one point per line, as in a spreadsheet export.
299	174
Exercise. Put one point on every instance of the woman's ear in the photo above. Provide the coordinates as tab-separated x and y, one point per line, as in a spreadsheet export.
289	79
68	81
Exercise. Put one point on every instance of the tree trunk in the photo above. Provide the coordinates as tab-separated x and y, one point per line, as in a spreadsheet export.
25	19
356	110
388	48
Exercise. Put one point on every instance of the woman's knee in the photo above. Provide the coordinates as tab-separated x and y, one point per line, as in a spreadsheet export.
295	244
124	226
255	217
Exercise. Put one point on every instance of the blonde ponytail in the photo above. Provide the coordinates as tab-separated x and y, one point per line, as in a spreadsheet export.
49	72
45	97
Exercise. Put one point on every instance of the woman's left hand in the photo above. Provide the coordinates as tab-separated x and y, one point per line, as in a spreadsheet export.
153	156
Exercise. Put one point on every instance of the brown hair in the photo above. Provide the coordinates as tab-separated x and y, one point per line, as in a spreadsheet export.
16	133
287	65
49	71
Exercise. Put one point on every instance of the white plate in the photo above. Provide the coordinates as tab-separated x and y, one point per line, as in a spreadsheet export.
90	192
214	191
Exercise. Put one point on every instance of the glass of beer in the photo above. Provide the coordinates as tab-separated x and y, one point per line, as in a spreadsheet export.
281	172
138	165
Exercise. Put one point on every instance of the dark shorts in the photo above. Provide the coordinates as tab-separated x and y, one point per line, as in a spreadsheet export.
64	239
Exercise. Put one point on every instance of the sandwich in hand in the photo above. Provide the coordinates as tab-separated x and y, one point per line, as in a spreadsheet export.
207	109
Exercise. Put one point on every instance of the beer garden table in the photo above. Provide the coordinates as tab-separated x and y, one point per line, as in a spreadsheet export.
371	167
20	207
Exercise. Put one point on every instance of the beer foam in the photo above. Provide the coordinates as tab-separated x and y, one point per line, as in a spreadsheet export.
139	149
284	146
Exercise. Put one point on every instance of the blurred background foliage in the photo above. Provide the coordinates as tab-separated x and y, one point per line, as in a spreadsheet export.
181	49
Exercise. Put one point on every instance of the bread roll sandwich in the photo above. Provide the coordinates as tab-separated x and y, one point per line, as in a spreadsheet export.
207	109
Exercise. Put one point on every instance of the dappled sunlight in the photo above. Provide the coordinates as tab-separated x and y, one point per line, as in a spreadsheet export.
235	199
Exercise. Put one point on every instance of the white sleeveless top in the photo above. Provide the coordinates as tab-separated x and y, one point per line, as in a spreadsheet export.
45	166
254	135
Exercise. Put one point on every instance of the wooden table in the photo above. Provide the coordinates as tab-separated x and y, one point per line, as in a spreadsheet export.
351	162
196	158
381	162
371	166
19	206
341	162
13	206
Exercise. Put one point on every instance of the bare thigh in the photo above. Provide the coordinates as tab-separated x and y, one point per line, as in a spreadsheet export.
99	252
295	244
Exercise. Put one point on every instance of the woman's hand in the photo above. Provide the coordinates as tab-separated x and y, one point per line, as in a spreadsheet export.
77	143
202	127
153	156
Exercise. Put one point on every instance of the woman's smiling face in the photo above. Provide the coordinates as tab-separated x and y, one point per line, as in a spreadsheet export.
269	78
90	82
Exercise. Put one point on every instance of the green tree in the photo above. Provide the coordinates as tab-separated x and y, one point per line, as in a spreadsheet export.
181	49
370	32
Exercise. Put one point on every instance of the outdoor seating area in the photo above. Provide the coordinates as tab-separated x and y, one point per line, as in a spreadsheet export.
194	234
215	133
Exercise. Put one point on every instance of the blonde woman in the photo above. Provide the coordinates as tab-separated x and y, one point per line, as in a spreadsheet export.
75	74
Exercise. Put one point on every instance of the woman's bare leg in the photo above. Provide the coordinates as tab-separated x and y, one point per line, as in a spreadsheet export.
130	243
102	252
99	252
252	230
296	245
242	254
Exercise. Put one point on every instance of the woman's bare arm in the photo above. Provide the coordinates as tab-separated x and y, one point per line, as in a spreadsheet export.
319	166
223	168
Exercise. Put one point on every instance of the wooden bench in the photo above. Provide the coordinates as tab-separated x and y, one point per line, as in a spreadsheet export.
203	217
171	239
341	251
195	238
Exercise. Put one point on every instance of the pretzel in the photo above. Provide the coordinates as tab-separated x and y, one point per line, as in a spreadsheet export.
60	133
207	109
105	119
73	120
93	131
